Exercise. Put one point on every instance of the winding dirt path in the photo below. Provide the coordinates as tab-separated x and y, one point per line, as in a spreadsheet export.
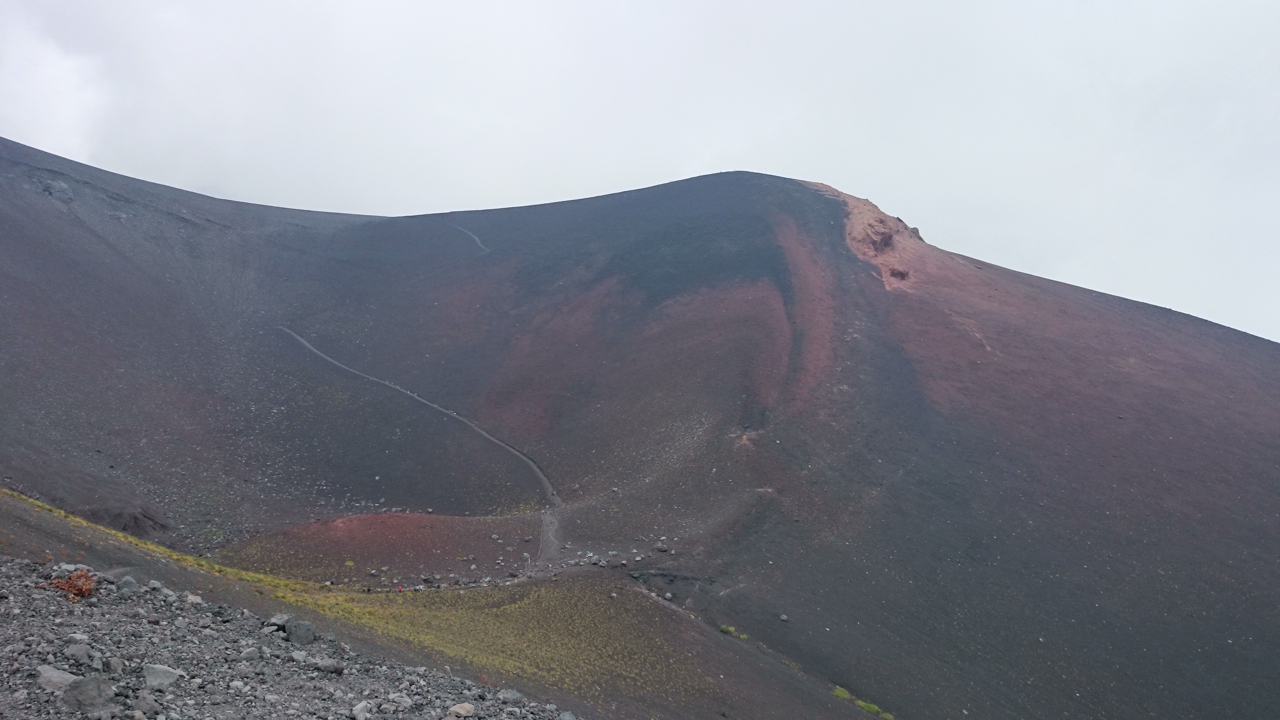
550	491
473	237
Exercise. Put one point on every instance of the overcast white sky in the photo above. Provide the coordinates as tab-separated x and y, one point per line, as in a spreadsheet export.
1132	148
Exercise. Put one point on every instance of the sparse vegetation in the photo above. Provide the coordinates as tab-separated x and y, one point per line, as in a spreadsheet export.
863	704
732	632
78	584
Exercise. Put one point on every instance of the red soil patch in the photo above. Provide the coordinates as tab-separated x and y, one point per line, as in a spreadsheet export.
408	545
537	376
813	311
741	317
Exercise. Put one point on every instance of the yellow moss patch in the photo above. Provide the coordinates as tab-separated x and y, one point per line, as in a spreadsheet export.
568	635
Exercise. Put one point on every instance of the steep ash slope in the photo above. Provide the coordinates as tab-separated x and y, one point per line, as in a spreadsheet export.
966	488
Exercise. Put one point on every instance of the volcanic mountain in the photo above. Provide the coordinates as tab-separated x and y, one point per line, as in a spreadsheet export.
944	486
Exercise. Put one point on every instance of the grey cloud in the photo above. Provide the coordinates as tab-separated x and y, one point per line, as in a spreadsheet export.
1127	147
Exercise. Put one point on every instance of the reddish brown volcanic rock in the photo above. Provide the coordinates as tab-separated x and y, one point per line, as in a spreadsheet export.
967	488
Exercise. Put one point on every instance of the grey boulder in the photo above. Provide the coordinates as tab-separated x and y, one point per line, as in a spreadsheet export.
53	679
300	632
147	705
509	696
331	666
79	653
88	694
161	676
279	620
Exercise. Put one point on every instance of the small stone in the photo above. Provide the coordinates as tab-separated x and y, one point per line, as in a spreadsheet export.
300	632
127	584
79	653
53	679
250	654
155	585
298	656
88	694
363	711
78	638
331	666
114	666
462	710
509	696
161	676
783	618
280	620
566	715
147	705
194	599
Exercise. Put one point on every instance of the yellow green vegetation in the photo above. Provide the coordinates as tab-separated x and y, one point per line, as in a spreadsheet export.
569	635
869	707
732	632
578	634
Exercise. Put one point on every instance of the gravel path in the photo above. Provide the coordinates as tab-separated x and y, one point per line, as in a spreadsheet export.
134	651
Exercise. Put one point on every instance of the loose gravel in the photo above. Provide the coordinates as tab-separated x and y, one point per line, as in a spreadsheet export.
147	651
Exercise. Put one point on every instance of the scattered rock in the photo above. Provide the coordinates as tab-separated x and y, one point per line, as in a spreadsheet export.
161	676
147	705
88	694
280	620
300	632
53	679
79	653
509	696
149	634
362	711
